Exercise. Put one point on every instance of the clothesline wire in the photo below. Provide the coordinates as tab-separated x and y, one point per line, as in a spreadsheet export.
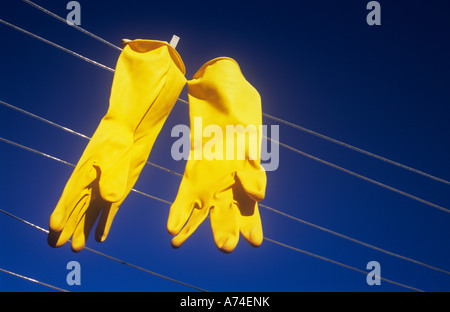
277	142
298	127
355	148
71	131
261	205
265	238
338	263
69	164
281	144
32	280
266	115
180	175
145	270
73	25
280	120
354	240
105	255
361	176
57	46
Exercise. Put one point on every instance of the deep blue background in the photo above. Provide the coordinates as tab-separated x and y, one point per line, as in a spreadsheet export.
316	63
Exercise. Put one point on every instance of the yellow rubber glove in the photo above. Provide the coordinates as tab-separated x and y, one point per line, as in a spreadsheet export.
220	96
148	79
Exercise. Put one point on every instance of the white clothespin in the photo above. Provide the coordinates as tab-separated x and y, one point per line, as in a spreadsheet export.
125	42
174	41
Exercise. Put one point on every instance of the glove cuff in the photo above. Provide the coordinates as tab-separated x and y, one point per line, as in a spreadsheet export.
141	45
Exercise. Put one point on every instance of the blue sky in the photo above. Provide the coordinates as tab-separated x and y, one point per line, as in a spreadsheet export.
317	64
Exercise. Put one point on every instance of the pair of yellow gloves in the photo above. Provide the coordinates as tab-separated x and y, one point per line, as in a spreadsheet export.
148	79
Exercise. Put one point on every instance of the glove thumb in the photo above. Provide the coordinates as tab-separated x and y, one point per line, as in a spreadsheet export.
253	182
113	178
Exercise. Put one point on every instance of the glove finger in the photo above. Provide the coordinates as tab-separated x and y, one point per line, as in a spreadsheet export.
225	225
114	177
113	190
250	225
180	210
86	223
105	221
249	219
75	189
126	170
253	182
196	218
59	238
